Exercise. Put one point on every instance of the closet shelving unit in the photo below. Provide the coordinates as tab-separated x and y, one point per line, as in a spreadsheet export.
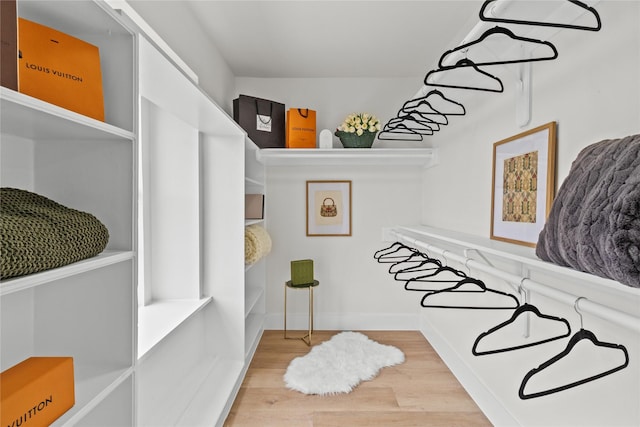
183	261
193	162
86	309
608	307
255	274
425	157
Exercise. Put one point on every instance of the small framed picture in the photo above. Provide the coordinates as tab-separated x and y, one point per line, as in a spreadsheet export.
328	208
523	187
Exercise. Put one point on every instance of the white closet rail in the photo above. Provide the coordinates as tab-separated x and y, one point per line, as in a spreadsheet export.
581	303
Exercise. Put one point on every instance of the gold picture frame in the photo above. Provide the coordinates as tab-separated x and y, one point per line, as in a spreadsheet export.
328	208
523	184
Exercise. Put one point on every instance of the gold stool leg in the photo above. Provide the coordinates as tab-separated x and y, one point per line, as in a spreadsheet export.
285	310
306	338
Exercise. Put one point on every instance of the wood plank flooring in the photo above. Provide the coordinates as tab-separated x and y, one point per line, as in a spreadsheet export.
419	392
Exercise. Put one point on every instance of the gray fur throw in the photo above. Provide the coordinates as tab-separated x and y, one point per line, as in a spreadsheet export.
594	223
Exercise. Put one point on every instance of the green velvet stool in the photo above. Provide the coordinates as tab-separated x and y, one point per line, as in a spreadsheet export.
301	278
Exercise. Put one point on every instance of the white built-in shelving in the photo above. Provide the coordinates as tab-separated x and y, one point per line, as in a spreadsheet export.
85	309
191	346
255	274
160	325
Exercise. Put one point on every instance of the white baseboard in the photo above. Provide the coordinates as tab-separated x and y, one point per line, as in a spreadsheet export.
346	321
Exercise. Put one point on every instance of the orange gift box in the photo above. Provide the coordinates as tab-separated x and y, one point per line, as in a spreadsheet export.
36	391
301	128
60	69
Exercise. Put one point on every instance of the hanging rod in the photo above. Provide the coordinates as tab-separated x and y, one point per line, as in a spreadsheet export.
583	304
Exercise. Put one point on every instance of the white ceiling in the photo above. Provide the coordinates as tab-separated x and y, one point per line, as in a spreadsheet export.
329	38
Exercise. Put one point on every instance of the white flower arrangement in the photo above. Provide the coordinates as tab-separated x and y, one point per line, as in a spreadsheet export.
359	123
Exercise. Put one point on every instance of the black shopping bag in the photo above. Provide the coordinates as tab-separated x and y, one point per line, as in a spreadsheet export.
262	119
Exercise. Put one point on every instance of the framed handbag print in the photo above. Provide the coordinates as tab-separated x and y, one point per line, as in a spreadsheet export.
328	208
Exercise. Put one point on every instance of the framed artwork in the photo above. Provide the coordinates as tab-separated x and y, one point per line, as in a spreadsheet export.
328	208
523	185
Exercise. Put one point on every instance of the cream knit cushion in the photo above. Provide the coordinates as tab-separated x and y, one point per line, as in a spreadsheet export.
257	243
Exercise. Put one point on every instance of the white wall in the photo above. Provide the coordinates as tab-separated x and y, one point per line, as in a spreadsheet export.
592	90
355	291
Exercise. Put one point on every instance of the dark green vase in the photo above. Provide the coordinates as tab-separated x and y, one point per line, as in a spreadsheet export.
352	140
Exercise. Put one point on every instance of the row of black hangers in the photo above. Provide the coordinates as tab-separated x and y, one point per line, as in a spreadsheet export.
456	73
436	280
421	116
423	273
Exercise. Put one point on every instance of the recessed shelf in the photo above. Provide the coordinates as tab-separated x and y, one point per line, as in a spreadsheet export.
252	295
103	259
425	157
28	117
91	390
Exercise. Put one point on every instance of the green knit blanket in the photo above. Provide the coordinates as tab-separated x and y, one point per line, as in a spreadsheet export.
38	234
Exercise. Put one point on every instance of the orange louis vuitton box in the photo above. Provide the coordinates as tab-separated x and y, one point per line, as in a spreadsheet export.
36	391
301	128
60	69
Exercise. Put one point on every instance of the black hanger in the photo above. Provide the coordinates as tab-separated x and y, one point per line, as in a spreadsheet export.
395	246
505	32
409	124
431	283
428	264
432	277
520	310
394	253
449	107
429	113
413	122
400	133
582	334
483	289
465	64
544	24
416	257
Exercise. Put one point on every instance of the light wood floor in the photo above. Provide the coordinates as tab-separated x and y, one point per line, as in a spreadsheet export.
420	392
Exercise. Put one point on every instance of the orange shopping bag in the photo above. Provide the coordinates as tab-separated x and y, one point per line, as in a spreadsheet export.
301	128
59	69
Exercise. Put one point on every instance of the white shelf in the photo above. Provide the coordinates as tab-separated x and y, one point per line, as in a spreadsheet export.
251	181
252	296
157	320
253	332
425	157
103	259
248	222
32	118
91	391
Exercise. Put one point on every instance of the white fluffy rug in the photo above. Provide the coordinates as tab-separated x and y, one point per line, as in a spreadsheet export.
340	364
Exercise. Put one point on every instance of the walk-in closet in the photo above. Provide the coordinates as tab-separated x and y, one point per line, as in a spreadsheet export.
490	235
